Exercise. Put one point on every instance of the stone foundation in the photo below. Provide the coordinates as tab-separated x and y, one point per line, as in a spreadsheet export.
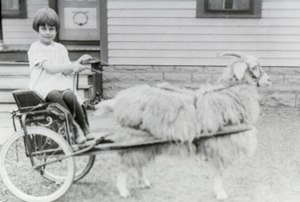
285	89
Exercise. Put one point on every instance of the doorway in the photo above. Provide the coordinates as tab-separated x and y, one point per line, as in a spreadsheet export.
80	20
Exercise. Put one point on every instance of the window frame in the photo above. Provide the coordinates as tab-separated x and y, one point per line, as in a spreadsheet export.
202	12
21	13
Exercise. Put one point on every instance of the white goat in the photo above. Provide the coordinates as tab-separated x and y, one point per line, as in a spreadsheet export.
185	116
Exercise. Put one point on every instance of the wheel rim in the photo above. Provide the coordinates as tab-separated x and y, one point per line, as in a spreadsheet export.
83	165
25	182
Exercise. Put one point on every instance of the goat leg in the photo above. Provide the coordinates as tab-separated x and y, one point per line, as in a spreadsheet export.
143	181
218	186
122	182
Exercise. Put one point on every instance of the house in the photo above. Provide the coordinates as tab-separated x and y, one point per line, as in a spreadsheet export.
81	35
150	41
18	34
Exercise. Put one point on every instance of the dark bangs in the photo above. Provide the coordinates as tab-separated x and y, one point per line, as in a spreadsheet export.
46	17
49	20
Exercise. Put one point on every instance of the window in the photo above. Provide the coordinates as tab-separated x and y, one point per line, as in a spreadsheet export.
14	8
229	8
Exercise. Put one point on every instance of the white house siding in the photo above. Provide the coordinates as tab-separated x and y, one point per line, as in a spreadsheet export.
19	31
166	32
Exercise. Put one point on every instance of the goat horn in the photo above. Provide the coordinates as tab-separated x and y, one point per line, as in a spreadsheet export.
239	55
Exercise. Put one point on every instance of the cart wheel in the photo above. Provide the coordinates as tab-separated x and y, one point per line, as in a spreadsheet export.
27	183
83	165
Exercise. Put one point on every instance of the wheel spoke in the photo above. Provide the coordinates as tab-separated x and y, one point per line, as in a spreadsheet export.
27	183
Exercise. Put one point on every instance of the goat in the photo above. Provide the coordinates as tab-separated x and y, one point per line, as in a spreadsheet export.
190	118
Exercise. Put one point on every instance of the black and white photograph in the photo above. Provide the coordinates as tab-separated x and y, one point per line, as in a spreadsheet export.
150	101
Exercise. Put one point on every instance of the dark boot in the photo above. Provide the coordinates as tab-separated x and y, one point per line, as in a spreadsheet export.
79	137
87	133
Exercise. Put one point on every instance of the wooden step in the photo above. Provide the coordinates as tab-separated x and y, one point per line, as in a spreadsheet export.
23	68
7	107
14	82
6	97
8	103
18	53
22	81
16	75
86	91
14	68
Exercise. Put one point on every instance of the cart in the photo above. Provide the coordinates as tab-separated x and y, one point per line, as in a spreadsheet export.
40	161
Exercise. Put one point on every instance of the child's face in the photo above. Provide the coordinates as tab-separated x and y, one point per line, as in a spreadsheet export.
47	34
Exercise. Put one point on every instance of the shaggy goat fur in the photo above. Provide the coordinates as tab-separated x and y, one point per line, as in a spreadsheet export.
235	105
190	118
165	114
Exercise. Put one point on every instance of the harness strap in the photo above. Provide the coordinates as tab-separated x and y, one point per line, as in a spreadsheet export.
225	132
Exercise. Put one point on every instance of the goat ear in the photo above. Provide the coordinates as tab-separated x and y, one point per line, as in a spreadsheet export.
254	67
239	69
256	71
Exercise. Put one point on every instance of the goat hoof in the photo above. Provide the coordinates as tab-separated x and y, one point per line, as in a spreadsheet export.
145	184
124	193
221	196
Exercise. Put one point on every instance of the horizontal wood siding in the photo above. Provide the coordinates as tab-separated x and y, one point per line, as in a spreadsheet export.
19	31
166	32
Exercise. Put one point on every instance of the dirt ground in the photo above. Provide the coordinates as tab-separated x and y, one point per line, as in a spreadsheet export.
272	175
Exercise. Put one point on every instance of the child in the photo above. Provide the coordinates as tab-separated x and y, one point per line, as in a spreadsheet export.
49	68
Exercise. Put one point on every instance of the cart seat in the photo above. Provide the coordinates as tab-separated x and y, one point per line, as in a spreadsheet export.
27	99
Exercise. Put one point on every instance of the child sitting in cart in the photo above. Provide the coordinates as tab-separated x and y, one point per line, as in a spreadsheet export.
49	69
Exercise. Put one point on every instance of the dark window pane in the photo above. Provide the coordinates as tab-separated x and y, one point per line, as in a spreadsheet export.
228	8
215	4
10	4
233	5
241	4
14	8
228	4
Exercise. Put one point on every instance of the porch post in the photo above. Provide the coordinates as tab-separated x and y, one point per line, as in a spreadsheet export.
1	32
103	43
53	4
103	31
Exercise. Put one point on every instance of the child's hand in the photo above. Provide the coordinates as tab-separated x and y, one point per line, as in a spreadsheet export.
78	67
84	58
